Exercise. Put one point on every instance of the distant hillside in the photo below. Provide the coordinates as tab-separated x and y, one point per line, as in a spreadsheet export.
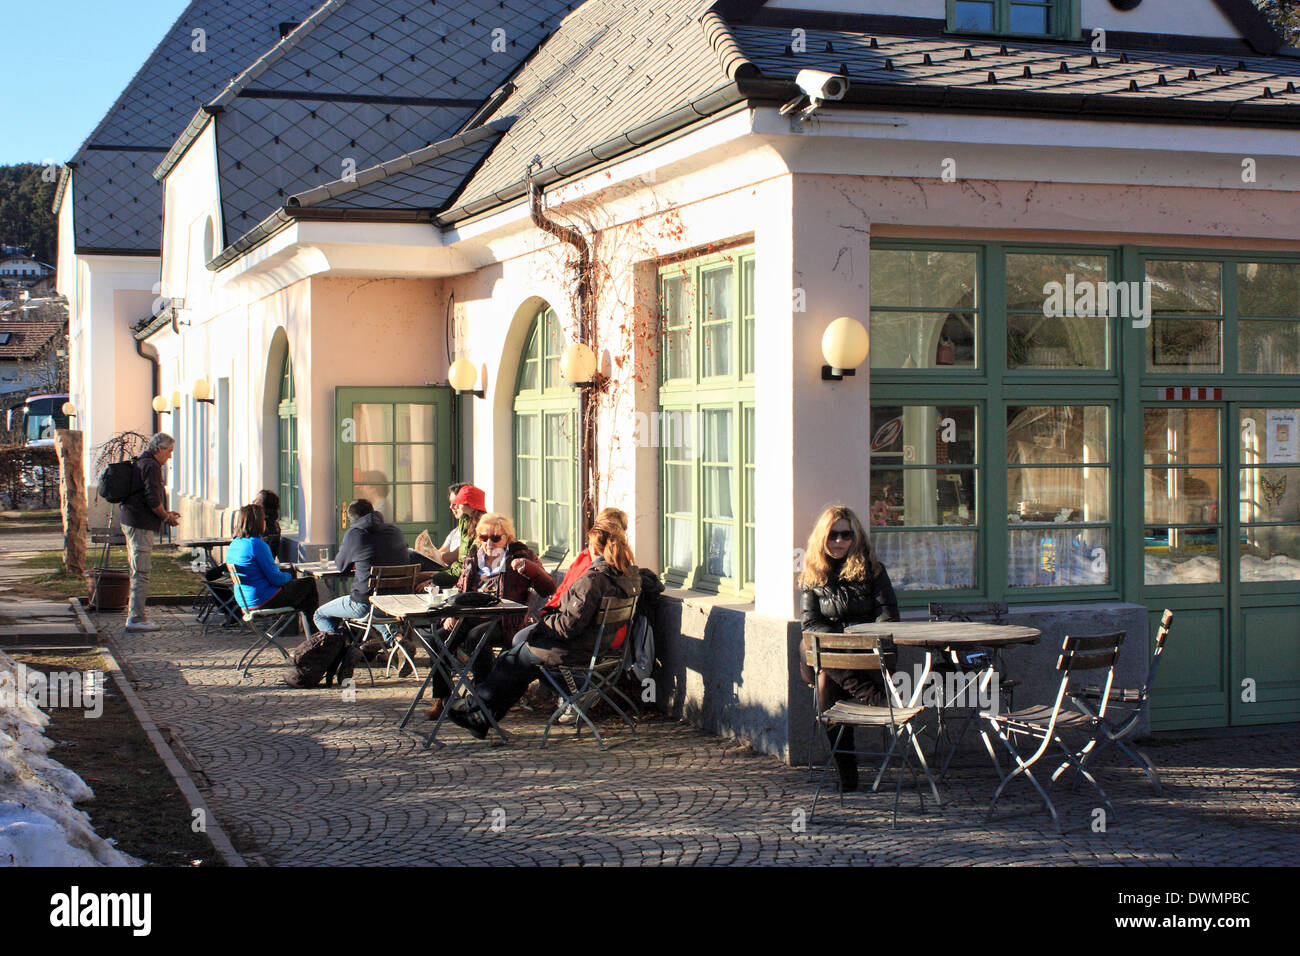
25	216
1285	15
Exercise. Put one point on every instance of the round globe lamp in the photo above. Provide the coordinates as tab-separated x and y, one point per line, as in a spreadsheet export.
69	409
845	345
463	376
203	391
160	405
578	364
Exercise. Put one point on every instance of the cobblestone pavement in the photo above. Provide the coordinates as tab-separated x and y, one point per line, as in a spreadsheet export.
307	778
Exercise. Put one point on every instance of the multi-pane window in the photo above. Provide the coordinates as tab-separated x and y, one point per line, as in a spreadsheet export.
1182	477
1186	332
287	464
545	437
1269	489
1012	17
1058	310
1058	495
924	312
924	511
705	427
1268	324
393	460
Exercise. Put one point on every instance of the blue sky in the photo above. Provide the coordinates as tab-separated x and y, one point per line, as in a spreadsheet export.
66	61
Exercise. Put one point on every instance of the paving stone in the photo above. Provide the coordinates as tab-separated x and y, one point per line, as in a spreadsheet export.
308	778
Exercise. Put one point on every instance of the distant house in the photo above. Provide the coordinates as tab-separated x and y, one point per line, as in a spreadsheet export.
1072	230
23	268
33	350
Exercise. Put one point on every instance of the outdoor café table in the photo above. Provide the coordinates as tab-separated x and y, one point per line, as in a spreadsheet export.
423	619
206	545
947	637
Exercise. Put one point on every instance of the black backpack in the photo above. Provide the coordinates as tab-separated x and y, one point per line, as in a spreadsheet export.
117	483
320	656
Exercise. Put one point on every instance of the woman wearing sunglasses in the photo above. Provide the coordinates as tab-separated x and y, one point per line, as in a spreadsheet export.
843	583
500	565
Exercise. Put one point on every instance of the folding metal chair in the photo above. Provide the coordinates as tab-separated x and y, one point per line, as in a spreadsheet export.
394	579
574	685
865	652
1132	705
1044	723
267	624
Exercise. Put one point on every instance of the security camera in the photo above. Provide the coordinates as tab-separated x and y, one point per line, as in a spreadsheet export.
820	85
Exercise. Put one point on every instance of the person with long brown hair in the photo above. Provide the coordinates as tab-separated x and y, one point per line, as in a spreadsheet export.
262	583
843	583
566	637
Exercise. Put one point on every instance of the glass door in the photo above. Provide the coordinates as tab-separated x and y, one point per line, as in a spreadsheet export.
393	447
1265	663
1185	566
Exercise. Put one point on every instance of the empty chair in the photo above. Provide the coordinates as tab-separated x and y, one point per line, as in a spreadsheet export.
1045	723
866	652
1129	706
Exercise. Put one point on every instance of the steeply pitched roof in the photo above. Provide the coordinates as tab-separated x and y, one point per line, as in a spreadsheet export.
424	179
612	66
361	82
118	205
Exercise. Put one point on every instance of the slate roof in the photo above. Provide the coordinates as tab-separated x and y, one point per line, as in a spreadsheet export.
1037	67
612	66
424	179
117	203
365	81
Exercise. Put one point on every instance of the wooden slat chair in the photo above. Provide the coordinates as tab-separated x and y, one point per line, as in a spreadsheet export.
573	684
394	579
866	652
1045	723
267	624
1132	705
213	600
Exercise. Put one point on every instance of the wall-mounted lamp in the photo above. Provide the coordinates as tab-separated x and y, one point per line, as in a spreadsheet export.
845	345
463	376
578	365
176	398
160	405
69	410
203	392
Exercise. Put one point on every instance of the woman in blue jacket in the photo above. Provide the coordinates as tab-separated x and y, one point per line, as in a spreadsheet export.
262	583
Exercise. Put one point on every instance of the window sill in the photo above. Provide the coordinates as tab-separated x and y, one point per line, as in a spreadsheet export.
707	600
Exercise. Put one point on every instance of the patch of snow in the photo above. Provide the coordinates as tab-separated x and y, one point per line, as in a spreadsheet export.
39	824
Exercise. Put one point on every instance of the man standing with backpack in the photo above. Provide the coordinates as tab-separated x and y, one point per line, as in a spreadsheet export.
142	515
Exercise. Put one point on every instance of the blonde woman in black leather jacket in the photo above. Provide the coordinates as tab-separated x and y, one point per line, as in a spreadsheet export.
842	584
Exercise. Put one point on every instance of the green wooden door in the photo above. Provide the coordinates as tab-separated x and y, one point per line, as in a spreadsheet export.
393	446
1265	660
1221	547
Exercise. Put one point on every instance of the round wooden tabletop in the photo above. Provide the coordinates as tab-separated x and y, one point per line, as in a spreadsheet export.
950	633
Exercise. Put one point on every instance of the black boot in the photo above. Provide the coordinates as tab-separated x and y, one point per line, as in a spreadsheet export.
846	763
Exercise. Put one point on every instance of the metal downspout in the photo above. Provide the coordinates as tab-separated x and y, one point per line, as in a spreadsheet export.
587	478
156	373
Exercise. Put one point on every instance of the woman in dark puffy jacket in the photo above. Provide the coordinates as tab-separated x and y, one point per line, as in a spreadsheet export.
843	583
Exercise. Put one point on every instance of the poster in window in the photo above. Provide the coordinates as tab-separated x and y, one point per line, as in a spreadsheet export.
1282	440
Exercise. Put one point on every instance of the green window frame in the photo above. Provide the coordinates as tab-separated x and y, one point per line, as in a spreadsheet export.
545	443
987	379
706	425
287	448
1058	19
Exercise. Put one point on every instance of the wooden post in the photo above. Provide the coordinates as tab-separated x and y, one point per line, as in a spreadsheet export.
72	499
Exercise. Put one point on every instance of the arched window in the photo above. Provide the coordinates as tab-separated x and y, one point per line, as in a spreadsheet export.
287	412
546	442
